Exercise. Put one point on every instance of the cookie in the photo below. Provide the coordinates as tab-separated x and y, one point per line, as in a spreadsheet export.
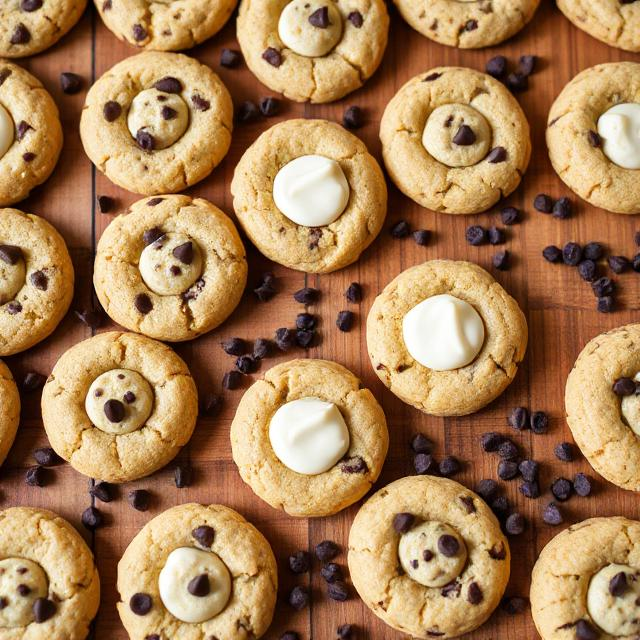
160	25
616	22
31	26
313	50
308	438
30	133
157	122
309	195
603	410
592	135
445	337
427	556
468	25
119	406
36	280
172	268
455	140
49	584
197	571
586	582
9	410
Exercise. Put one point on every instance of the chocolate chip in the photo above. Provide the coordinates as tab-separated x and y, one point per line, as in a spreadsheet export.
497	155
234	346
47	457
618	585
300	562
22	129
129	397
168	113
427	555
498	551
30	5
432	76
618	264
527	65
246	364
320	18
354	293
635	262
298	598
43	610
248	112
353	117
140	603
605	304
530	489
449	466
331	572
290	635
355	464
103	491
230	58
39	280
603	287
327	550
33	381
183	475
496	66
4	74
400	229
529	470
272	56
448	545
200	103
338	591
139	499
266	287
517	82
20	35
551	514
543	203
584	630
422	237
10	254
539	422
451	589
519	418
588	270
470	25
582	484
344	321
564	451
476	235
105	204
204	535
145	140
561	489
402	522
114	410
474	593
562	208
355	18
507	469
491	440
111	111
308	295
91	518
346	632
594	139
70	83
139	32
424	464
93	319
508	450
306	321
421	444
515	524
28	157
23	590
495	235
500	506
285	338
468	504
514	605
261	348
487	489
14	307
36	476
168	84
572	254
199	586
501	260
510	215
143	303
593	251
184	253
464	136
269	106
552	253
624	387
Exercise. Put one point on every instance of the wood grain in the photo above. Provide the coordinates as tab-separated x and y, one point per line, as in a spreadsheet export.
560	309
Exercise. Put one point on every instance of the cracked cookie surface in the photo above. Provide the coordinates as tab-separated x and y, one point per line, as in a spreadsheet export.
172	268
459	391
60	567
164	26
315	78
31	130
563	575
491	174
119	457
36	280
576	153
344	483
30	26
137	163
215	528
310	249
9	410
375	549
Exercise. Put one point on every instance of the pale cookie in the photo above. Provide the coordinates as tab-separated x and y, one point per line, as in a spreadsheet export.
31	26
157	122
313	50
49	584
9	410
427	556
603	410
454	354
163	25
30	133
316	459
36	280
197	571
172	268
119	406
586	582
455	140
616	22
309	195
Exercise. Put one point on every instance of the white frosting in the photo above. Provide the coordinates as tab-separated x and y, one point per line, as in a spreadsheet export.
22	582
312	191
619	128
12	279
7	131
182	566
443	332
298	32
309	435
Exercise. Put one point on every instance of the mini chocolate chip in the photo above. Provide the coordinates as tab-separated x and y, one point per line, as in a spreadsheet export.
246	364
272	56
266	287
448	545
474	593
139	32
543	203
593	251
476	235
290	635
22	129
269	106
496	66
517	82
168	84
70	83
152	235
432	76
184	253
248	111
618	264
588	270
468	504
143	303
421	444
145	140
139	499
594	139
33	381
30	5
552	253
635	263
515	524
501	260
103	491
422	237
298	598
36	476
129	397
539	422
508	450
230	58
495	235
10	254
470	25
306	321
400	229
584	630
402	522
530	489
491	440
624	387
204	535
603	287
582	484
562	208
453	588
320	18
300	562
344	320
28	157
93	319
20	35
618	585
510	215
424	464
111	111
284	338
105	204
427	555
355	18
23	590
498	551
114	410
331	572
449	466
572	254
527	65
519	418
605	304
327	550
200	103
43	610
308	295
354	293
355	464
234	346
346	632
507	469
561	489
199	586
210	405
551	514
140	603
529	470
91	518
514	605
464	136
168	113
353	117
39	280
183	475
487	489
497	155
47	457
14	307
232	380
564	452
261	348
338	591
500	506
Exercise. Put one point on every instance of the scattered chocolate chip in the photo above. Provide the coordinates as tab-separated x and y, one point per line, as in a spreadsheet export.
543	203
487	489
20	35
510	215
204	535
539	422
402	522
594	139
105	204
562	208
449	466
497	155
183	475
200	103
527	64
474	593
103	491
140	603
70	83
422	237
635	262
605	304
448	545
306	321
618	585
515	524
269	106
111	111
114	410
230	58
400	229
501	260
346	632
199	586
10	254
91	518
530	489
582	484
529	470
354	293
552	253
421	444
355	18
572	254
93	319
561	489
424	464
507	469
36	476
43	609
514	605
500	506
285	338
517	82
139	499
143	303
272	56
338	591
234	346
584	630
564	452
519	418
353	117
300	562
496	66
603	287
308	295
551	514
232	380
305	337
33	381
495	235
344	321
298	598
327	550
139	32
266	287
618	264
624	387
587	270
476	235
464	136
248	112
491	440
290	635
355	464
508	450
246	364
47	457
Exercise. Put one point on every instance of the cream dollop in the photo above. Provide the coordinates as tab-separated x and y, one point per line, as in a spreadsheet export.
7	130
619	128
310	28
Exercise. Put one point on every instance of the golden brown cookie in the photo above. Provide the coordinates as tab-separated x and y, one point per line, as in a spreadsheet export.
9	410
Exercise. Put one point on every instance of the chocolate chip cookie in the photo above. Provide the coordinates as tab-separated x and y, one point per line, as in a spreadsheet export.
592	135
200	570
49	584
309	195
157	122
119	406
9	410
161	25
427	556
31	26
36	280
455	140
445	337
308	438
30	133
172	268
586	582
313	50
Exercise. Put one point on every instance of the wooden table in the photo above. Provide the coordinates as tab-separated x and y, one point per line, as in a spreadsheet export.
560	309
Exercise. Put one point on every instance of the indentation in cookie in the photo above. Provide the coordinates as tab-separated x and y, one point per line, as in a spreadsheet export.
12	272
7	130
619	131
22	583
310	28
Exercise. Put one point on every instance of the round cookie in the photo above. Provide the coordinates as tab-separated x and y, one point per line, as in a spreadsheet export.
347	462
9	410
49	584
427	556
586	582
160	572
399	324
578	152
131	422
157	122
160	26
31	26
347	169
36	280
455	140
606	423
317	50
173	268
30	133
613	21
